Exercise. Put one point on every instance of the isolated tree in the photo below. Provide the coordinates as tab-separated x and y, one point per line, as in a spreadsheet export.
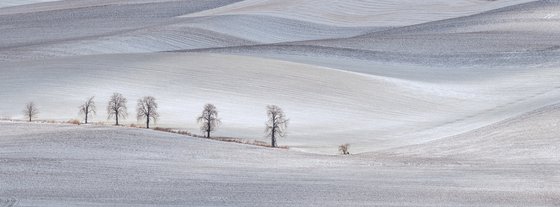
88	109
31	111
117	107
343	149
209	120
277	123
147	109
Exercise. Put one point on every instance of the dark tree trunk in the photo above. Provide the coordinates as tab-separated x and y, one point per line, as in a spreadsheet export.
273	133
87	110
117	118
148	122
209	129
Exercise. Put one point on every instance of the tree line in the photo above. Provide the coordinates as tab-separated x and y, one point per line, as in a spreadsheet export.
147	110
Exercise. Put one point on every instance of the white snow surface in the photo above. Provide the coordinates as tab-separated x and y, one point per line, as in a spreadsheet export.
68	165
324	110
443	103
10	3
529	138
373	87
513	36
362	12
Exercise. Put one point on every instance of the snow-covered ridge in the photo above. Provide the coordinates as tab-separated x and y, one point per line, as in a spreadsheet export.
147	27
327	106
361	13
375	89
530	137
443	102
510	36
9	3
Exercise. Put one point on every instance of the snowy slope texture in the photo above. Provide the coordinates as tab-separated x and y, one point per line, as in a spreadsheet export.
520	34
119	27
372	86
531	137
62	165
377	13
10	3
102	29
524	34
327	106
80	27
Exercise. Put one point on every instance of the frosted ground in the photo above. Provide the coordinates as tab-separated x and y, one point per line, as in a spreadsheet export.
373	84
54	165
444	103
10	3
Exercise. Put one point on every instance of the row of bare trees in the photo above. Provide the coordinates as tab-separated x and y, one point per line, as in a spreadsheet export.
276	124
116	108
146	109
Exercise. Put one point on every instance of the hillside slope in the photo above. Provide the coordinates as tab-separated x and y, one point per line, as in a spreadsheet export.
377	13
63	165
520	35
373	87
11	3
531	137
327	106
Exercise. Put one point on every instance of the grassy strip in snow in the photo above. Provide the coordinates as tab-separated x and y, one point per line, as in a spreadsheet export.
223	139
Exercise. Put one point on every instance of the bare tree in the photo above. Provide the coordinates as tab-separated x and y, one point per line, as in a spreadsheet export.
147	109
117	107
88	109
277	123
31	111
209	120
343	149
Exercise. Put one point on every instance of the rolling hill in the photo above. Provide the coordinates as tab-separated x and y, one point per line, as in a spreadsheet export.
376	85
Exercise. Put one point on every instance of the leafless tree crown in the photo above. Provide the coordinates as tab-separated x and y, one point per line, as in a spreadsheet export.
343	149
88	109
209	120
277	123
117	107
146	109
31	111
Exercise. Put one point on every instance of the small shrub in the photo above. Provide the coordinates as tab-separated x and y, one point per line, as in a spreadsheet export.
227	139
223	139
73	121
184	132
265	144
163	129
261	143
343	149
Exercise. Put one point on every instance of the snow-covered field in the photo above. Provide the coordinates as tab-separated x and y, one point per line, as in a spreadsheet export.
66	165
375	86
10	3
444	103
